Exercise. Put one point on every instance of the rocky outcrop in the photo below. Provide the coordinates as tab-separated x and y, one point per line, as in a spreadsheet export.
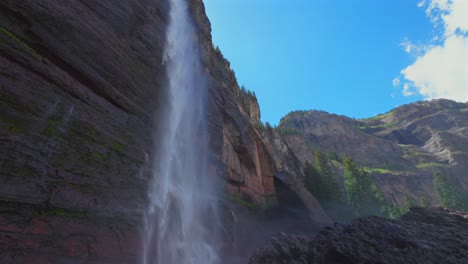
251	159
424	235
400	148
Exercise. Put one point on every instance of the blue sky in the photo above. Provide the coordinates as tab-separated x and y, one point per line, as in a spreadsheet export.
337	56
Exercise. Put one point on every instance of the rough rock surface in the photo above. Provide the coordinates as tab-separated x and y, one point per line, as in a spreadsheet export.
78	82
424	235
400	148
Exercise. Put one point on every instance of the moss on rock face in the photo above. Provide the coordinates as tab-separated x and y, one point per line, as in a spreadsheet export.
68	213
380	116
380	170
242	201
97	156
26	172
117	146
21	43
16	129
13	124
51	128
429	165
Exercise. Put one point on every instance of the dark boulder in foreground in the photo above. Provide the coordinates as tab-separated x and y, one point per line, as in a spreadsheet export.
424	235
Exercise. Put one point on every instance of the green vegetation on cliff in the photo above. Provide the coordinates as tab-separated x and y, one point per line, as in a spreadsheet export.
319	180
16	39
447	195
362	194
286	131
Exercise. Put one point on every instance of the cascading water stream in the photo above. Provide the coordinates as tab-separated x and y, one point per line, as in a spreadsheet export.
181	219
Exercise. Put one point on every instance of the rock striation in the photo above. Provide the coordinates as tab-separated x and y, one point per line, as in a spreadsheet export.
78	85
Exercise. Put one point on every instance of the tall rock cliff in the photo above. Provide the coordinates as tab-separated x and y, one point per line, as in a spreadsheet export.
81	83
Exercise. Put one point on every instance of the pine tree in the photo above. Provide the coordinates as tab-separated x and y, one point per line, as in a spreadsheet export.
351	184
321	183
396	211
447	195
331	192
425	201
409	202
313	181
362	195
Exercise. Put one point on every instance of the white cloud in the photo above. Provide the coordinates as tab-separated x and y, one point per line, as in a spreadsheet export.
440	69
415	49
442	72
408	46
457	18
407	90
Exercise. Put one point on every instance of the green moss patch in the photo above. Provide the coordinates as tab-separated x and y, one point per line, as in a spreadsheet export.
13	101
383	171
13	124
378	170
51	128
85	129
117	146
15	129
26	172
21	43
76	214
429	165
243	202
379	117
97	156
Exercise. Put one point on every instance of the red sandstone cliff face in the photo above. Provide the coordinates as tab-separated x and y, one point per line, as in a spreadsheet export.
253	157
80	86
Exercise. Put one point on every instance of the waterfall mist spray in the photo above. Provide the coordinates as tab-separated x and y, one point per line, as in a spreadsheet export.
181	218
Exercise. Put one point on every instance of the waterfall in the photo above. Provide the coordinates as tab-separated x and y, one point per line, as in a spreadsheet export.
181	219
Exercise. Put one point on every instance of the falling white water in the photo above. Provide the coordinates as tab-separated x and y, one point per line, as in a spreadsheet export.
181	219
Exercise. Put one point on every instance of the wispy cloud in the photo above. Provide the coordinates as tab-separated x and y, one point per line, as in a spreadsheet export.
415	49
440	69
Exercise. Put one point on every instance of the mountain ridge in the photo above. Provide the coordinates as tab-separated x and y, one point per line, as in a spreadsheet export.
410	140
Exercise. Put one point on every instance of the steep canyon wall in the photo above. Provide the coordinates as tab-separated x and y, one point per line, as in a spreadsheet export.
81	83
